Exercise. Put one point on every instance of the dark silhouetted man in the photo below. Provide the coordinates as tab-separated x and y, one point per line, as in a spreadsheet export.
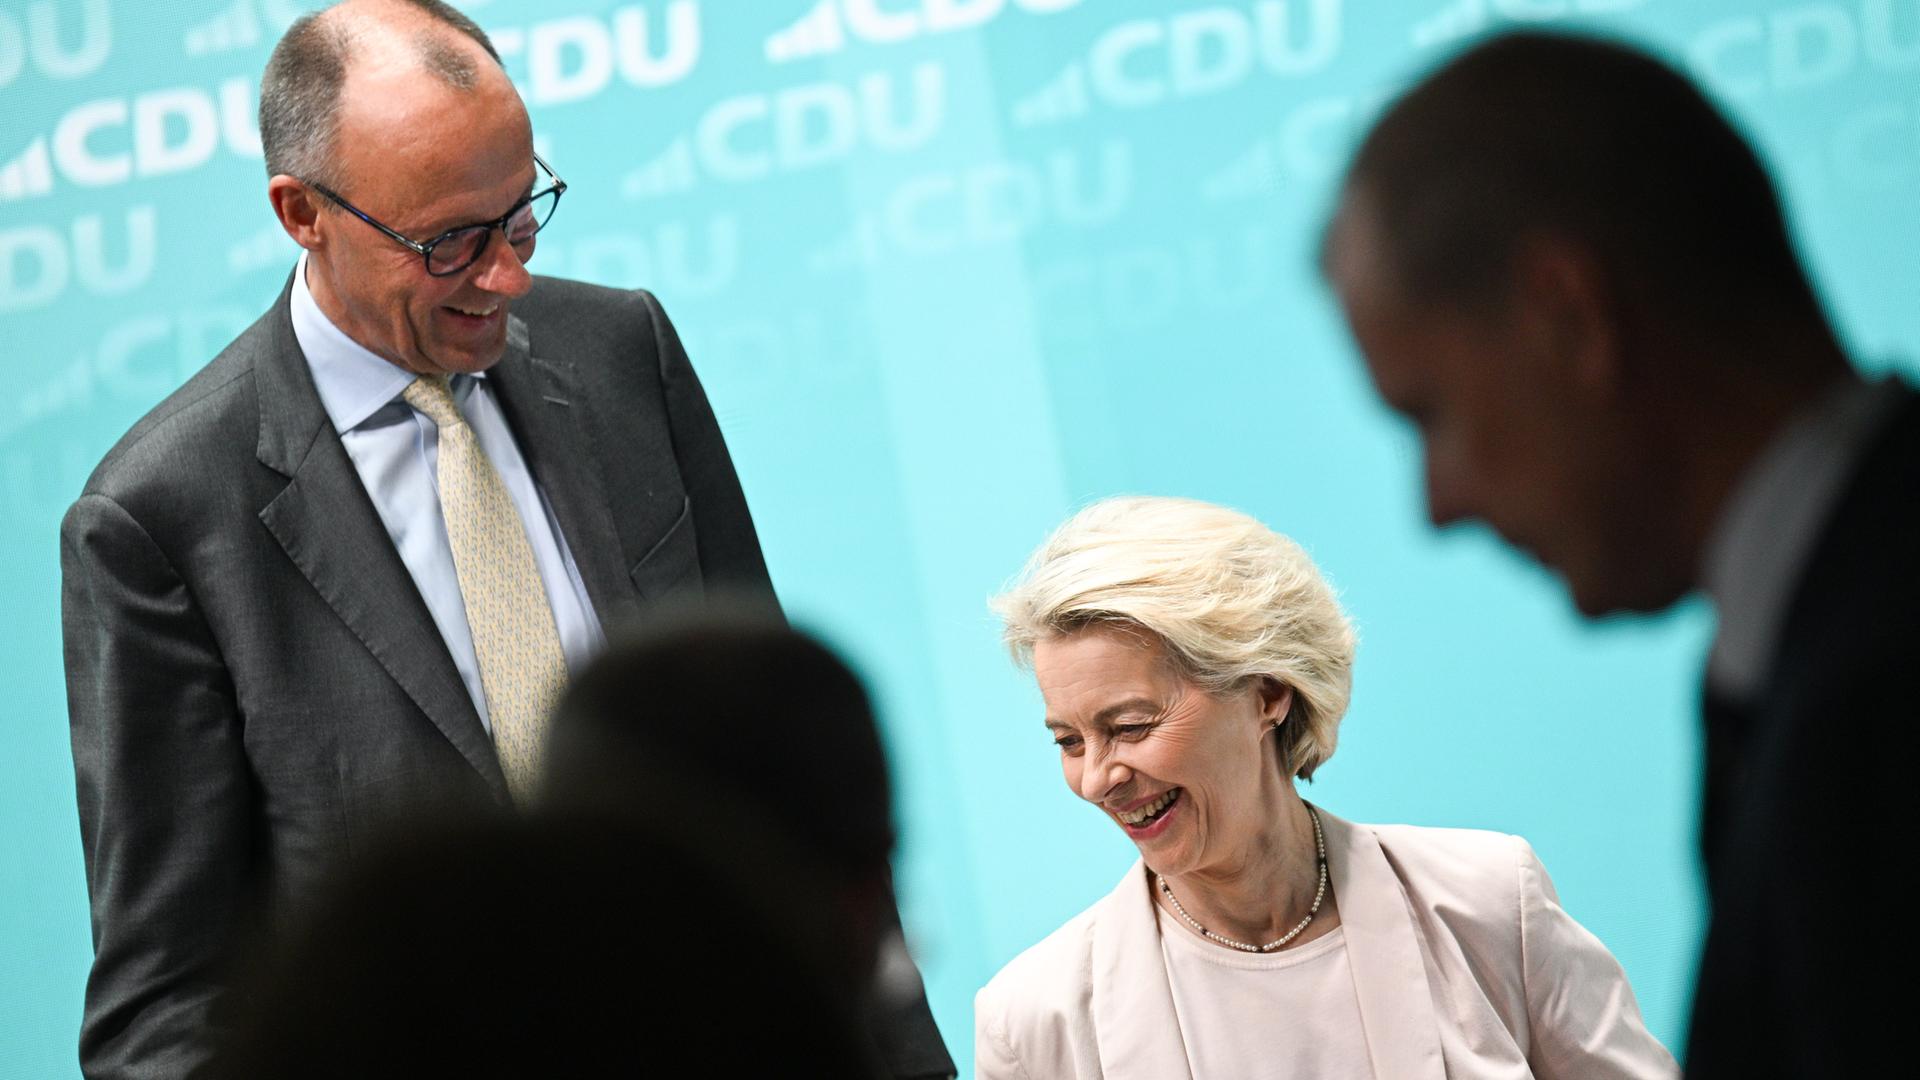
769	726
1573	276
558	946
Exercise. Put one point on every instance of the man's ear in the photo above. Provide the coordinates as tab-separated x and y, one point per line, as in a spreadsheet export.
1567	311
298	208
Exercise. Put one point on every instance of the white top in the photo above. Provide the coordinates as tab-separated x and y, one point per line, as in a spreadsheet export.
1278	1015
396	449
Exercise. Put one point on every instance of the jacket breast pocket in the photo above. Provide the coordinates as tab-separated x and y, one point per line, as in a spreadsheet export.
669	573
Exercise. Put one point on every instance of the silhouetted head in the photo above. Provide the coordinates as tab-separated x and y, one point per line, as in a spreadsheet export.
758	714
1573	275
575	946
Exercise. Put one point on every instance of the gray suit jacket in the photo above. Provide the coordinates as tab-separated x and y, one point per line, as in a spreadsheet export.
254	683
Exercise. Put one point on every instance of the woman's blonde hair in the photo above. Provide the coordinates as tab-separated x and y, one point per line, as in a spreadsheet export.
1231	600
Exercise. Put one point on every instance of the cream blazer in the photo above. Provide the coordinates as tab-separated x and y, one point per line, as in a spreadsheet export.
1464	964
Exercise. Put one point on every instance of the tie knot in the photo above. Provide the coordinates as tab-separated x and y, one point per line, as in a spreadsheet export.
432	395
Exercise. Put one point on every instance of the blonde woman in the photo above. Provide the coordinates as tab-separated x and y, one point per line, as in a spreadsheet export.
1194	664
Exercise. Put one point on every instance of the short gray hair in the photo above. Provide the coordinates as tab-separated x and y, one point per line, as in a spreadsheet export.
1230	599
300	91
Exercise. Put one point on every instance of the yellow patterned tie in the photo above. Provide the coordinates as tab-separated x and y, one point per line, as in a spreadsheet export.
521	666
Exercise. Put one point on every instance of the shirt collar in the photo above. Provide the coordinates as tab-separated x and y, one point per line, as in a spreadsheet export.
1779	510
352	380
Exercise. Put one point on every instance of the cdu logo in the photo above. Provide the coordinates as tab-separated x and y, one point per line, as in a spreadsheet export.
1806	46
1146	62
994	202
576	58
1088	297
39	262
115	140
672	258
1308	146
752	136
832	24
138	359
67	40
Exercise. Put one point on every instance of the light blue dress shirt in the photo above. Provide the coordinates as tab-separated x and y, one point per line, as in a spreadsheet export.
395	449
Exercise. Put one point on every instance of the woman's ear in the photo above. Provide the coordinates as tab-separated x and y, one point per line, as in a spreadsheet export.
1276	700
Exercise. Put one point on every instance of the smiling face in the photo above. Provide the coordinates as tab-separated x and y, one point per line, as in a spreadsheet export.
422	156
1193	779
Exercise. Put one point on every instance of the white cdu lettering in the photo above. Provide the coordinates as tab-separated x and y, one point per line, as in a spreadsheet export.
1802	48
1143	62
805	126
54	50
172	130
37	263
576	58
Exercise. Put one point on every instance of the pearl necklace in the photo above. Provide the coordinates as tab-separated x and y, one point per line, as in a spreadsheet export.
1320	851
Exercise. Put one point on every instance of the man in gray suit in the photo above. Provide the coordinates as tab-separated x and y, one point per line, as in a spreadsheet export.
331	585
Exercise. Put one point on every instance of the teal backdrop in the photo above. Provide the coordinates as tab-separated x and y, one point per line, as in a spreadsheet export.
949	269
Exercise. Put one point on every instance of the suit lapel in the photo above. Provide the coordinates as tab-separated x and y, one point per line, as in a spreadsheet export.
328	526
1383	952
1133	1015
541	399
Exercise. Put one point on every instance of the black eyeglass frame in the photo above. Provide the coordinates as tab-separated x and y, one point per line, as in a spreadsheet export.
425	251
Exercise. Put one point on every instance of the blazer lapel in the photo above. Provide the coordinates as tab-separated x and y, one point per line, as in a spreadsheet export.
1383	951
328	526
541	400
1133	1015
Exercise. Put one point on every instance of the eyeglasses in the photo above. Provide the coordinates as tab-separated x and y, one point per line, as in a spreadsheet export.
458	248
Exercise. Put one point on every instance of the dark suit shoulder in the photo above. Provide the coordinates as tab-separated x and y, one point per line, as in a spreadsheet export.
1806	783
562	306
1859	597
590	323
194	432
552	293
